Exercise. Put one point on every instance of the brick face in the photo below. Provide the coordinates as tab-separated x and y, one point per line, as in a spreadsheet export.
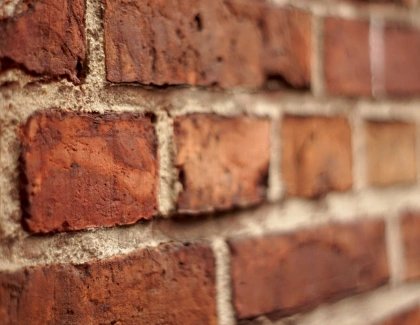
408	317
228	43
316	155
222	162
410	228
171	284
402	68
346	57
46	38
88	170
294	272
391	152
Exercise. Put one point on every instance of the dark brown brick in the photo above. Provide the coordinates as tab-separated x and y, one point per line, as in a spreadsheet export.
402	68
222	162
408	317
197	42
410	228
88	170
391	152
281	275
316	155
46	38
346	57
171	284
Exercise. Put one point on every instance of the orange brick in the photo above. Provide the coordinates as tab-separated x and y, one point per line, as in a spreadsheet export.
391	155
222	162
316	155
170	284
280	275
402	68
88	170
410	229
346	57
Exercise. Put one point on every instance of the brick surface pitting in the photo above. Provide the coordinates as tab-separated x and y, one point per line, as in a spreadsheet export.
200	42
222	162
408	317
316	155
402	68
281	275
171	284
346	57
88	170
410	229
46	38
391	152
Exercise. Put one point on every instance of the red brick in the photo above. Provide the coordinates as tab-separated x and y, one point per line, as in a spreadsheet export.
402	68
222	162
391	152
316	155
88	170
228	43
410	229
408	317
280	275
46	38
346	57
171	284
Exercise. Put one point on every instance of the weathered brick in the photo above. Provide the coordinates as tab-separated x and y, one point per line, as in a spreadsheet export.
391	152
222	162
171	284
410	229
402	68
316	155
281	275
228	43
408	317
346	57
46	38
88	170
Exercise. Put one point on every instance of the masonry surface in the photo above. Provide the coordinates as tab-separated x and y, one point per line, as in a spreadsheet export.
209	162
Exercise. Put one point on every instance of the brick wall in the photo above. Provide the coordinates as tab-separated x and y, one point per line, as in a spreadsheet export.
210	162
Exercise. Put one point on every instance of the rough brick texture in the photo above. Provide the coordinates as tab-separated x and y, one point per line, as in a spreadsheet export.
410	229
222	162
171	284
409	317
285	274
88	170
316	155
402	68
46	38
391	152
228	43
346	57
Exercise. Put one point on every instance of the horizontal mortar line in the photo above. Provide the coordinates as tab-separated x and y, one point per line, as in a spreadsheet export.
368	308
353	11
189	101
293	214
